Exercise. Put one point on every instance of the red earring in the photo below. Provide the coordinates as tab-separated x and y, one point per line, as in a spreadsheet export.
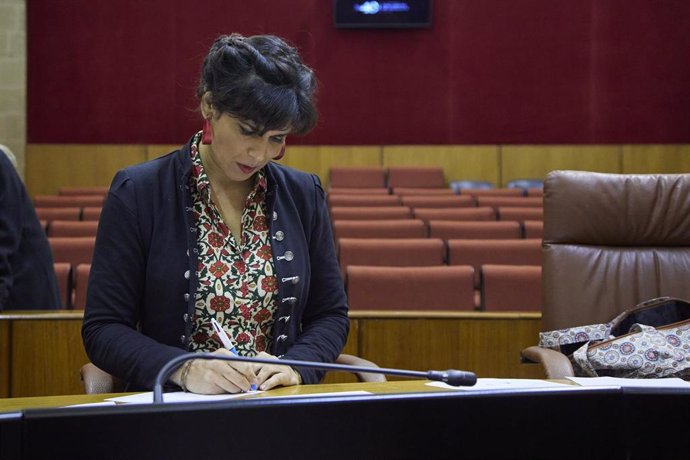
281	154
206	132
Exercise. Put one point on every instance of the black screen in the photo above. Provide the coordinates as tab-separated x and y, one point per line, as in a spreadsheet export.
376	14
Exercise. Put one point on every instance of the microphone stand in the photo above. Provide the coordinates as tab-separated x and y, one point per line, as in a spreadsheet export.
450	376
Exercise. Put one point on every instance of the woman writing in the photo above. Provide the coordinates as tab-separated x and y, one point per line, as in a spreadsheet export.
216	230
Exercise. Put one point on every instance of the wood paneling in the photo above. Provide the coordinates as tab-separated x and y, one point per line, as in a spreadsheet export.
4	359
46	355
656	159
535	161
46	351
458	161
489	347
319	159
50	166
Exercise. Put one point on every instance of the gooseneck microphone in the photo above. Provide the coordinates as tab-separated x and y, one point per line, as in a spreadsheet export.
450	376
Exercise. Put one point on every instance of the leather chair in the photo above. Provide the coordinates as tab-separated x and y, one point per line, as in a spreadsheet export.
610	242
97	381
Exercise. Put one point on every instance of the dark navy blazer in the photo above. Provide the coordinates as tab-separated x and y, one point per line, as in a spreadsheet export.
140	298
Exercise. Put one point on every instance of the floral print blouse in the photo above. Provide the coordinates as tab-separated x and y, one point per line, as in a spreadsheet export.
237	282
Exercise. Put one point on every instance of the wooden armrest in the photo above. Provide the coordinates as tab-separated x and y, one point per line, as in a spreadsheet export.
556	365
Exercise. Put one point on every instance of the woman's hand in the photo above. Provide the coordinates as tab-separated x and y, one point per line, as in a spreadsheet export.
272	375
206	376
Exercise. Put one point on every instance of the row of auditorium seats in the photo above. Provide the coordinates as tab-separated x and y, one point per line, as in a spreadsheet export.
417	179
433	201
68	213
72	282
518	258
445	287
72	258
458	214
443	229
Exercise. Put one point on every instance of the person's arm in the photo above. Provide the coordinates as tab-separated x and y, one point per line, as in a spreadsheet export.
116	305
116	289
325	323
10	225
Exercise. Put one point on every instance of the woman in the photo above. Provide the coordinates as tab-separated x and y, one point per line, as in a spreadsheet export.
216	230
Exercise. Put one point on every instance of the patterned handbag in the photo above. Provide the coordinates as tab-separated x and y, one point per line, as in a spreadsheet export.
650	340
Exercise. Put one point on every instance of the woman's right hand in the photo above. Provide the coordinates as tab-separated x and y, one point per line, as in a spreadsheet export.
208	376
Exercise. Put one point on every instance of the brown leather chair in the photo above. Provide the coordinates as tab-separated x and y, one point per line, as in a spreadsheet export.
610	242
97	381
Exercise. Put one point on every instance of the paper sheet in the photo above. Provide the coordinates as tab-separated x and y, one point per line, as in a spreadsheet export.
504	384
180	396
630	383
174	397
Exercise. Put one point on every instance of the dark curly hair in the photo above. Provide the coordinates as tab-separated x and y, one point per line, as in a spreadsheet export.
260	79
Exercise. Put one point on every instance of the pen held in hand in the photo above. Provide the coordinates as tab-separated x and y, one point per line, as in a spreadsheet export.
227	343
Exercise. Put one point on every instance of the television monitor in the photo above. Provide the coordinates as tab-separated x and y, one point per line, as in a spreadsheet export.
355	14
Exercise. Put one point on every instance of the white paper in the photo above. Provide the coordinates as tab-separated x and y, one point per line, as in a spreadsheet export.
630	383
181	396
504	384
102	403
312	395
175	397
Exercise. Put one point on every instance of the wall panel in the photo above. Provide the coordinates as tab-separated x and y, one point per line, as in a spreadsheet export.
535	161
656	159
50	166
478	162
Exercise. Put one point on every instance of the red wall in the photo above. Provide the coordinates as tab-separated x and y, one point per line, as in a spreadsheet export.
487	72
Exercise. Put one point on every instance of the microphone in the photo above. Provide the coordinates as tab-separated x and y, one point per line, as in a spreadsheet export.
450	376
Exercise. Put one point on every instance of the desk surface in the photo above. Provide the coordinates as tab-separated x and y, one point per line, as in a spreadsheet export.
406	386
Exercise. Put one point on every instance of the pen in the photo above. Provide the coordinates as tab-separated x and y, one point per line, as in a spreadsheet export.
227	343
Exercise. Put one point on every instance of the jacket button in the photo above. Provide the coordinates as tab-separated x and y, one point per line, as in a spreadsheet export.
287	255
275	215
185	317
282	338
186	275
186	297
183	339
279	235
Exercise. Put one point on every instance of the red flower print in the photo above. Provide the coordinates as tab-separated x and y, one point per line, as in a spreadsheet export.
244	289
260	343
215	239
200	337
262	315
243	338
260	224
244	311
218	269
223	228
220	303
240	266
269	283
265	252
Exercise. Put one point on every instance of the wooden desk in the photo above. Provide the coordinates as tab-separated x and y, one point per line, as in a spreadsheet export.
401	420
41	352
